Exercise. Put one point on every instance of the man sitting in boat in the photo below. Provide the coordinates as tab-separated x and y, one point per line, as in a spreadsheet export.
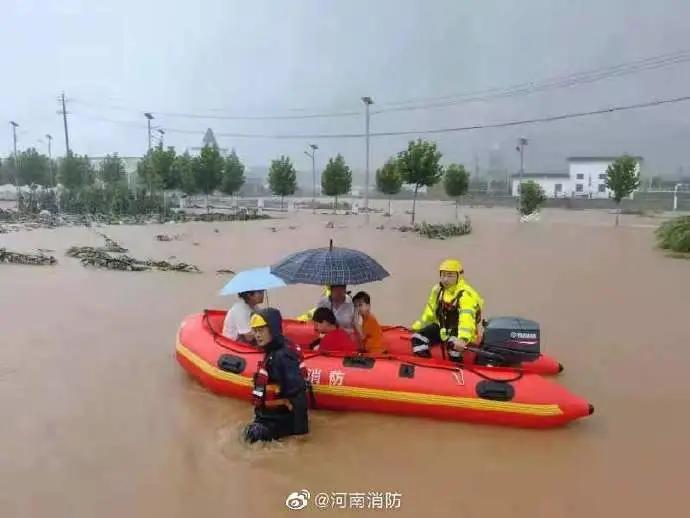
283	412
340	303
236	325
452	314
333	339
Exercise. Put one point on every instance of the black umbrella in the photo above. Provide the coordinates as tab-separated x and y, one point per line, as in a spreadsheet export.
329	266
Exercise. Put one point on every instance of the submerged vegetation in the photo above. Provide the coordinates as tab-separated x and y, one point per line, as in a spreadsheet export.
674	235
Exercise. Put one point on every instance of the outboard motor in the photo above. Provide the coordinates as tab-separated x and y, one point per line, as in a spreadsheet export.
512	339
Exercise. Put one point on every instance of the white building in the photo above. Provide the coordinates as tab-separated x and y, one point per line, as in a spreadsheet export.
586	178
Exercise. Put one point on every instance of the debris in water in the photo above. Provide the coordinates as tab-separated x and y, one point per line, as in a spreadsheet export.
166	237
112	246
175	267
231	272
442	231
216	231
195	243
330	224
101	258
38	259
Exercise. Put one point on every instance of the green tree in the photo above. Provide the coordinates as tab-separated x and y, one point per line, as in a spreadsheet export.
456	182
147	174
282	178
233	174
622	177
5	174
420	166
76	171
163	160
34	168
184	169
388	180
336	179
208	170
531	197
112	170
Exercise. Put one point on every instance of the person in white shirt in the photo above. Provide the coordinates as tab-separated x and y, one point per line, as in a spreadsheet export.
341	304
236	325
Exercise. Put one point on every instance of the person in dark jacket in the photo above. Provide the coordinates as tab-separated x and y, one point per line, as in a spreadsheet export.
285	412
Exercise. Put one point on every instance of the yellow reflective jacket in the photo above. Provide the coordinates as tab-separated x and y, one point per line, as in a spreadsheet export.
469	304
307	316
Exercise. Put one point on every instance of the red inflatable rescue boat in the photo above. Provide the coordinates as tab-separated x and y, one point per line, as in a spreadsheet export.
406	386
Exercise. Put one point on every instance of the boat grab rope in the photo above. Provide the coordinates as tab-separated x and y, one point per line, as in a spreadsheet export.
409	361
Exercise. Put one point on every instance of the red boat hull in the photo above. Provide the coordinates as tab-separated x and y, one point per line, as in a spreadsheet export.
418	387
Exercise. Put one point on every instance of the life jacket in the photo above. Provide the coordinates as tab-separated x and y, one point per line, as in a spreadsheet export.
260	392
448	313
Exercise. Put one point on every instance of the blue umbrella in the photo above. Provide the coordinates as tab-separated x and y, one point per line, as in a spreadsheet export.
256	279
329	266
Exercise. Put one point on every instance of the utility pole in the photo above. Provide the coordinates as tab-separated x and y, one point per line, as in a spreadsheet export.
312	155
522	142
50	158
367	102
149	117
16	159
63	112
160	142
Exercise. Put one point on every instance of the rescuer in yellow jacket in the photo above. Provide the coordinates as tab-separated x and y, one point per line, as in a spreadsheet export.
452	314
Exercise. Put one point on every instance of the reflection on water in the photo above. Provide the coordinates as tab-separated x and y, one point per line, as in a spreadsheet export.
99	420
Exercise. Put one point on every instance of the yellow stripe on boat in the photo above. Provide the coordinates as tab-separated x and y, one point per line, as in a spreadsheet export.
388	395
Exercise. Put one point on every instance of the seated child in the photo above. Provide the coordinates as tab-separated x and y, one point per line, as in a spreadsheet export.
333	338
368	328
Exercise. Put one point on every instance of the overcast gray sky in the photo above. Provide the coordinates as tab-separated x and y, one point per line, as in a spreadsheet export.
117	59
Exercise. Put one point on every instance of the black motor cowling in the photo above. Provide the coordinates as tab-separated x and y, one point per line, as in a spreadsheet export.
513	339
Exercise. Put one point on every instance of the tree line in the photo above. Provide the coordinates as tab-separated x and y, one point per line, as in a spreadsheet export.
89	188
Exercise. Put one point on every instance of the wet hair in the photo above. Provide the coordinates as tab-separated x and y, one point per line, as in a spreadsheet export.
246	294
324	315
363	296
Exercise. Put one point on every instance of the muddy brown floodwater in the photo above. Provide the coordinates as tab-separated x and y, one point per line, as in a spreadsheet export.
98	420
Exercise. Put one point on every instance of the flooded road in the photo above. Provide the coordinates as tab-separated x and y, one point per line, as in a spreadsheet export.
99	420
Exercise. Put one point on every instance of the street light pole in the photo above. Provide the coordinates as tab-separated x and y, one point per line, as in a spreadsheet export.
161	132
312	155
149	117
522	142
367	102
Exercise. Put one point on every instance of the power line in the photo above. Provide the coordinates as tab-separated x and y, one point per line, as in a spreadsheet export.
516	90
554	83
536	120
552	118
183	115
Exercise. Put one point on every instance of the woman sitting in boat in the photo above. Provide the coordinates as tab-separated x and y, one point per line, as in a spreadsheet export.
284	412
236	325
452	314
